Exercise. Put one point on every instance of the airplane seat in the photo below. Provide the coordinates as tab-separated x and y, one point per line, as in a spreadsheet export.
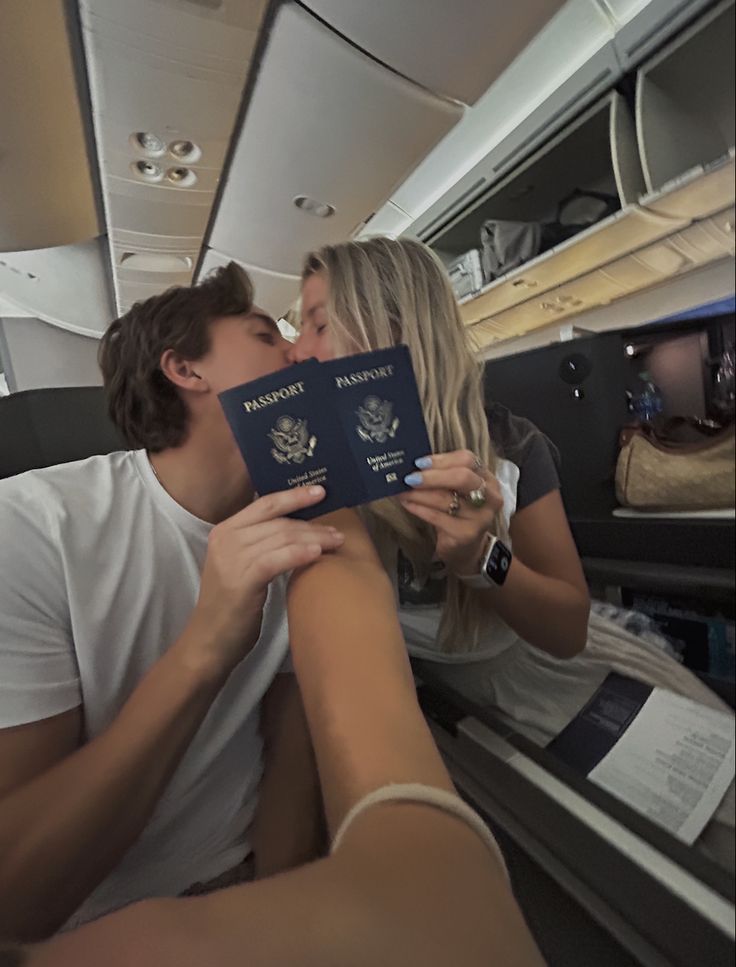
45	427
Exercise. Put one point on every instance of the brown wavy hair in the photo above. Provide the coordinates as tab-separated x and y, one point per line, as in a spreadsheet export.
143	403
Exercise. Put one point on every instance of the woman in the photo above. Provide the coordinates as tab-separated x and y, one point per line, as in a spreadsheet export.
413	878
500	644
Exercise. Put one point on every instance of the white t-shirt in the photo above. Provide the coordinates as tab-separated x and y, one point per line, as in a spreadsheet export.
99	573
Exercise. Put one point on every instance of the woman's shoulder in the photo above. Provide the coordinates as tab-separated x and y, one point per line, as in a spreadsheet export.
520	442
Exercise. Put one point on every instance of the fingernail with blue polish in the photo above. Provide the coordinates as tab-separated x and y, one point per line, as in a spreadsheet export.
424	463
413	480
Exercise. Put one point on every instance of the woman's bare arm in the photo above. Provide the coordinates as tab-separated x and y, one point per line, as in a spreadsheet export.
408	884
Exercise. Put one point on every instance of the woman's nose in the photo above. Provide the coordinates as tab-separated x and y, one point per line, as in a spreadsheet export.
296	353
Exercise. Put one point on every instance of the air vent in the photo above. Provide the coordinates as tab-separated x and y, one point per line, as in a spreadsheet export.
155	262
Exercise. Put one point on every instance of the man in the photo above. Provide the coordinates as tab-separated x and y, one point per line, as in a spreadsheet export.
142	625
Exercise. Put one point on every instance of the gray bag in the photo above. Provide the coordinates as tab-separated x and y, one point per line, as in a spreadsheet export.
507	245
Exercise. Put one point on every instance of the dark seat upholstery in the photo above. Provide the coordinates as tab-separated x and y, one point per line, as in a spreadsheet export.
43	427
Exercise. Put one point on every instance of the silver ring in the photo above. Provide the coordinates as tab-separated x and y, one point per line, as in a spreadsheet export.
478	465
477	498
454	509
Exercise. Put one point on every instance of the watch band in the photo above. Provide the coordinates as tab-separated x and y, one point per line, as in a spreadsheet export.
484	579
477	581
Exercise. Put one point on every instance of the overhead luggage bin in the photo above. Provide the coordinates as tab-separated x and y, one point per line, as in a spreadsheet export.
644	25
575	59
47	195
328	133
698	193
456	50
41	356
67	287
691	247
597	152
684	101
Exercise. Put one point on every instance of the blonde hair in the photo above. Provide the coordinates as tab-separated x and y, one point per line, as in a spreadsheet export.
383	292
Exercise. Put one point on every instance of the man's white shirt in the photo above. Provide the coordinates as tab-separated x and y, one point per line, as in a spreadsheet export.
99	574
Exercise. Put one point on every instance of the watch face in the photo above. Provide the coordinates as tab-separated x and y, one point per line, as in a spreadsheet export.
498	563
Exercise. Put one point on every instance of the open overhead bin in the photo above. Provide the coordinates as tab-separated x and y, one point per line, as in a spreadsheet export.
454	49
695	245
685	108
674	180
47	195
328	133
685	119
596	155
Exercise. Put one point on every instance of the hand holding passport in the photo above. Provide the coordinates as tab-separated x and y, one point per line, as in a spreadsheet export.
353	425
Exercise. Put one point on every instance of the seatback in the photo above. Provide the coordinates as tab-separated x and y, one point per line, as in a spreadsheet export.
44	427
575	392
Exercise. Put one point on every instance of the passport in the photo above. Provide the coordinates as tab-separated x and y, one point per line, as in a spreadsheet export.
353	425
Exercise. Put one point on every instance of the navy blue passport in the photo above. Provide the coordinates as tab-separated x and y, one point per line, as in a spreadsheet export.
354	426
290	436
377	401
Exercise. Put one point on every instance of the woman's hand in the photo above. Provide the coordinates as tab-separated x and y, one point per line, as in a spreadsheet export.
443	488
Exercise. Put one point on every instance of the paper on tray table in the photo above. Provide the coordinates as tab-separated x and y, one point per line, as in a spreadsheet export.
674	763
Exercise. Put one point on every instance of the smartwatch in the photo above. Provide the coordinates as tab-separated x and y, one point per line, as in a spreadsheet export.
494	566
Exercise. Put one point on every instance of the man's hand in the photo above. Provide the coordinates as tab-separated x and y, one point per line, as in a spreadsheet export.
245	553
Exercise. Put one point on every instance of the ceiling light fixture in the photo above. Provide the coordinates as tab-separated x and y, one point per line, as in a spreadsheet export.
313	207
181	177
148	144
186	151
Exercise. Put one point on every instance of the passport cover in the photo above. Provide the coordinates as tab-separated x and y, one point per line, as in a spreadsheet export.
353	425
377	401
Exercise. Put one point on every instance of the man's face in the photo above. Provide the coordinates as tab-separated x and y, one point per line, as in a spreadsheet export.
242	348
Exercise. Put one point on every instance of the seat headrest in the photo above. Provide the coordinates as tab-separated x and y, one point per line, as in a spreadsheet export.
44	427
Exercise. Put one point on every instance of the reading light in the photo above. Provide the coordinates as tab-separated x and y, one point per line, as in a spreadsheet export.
181	177
186	151
150	144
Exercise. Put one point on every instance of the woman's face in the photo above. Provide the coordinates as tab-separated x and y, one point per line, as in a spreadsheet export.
314	337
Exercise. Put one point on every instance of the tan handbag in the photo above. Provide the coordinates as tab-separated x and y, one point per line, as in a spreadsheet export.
654	474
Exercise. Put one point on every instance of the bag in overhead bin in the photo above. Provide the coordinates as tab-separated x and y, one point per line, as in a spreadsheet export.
507	245
466	274
578	211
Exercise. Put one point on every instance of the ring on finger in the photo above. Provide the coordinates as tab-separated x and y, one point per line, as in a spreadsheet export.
478	465
477	498
454	509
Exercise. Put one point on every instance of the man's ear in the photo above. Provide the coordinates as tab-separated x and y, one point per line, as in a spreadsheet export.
181	372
